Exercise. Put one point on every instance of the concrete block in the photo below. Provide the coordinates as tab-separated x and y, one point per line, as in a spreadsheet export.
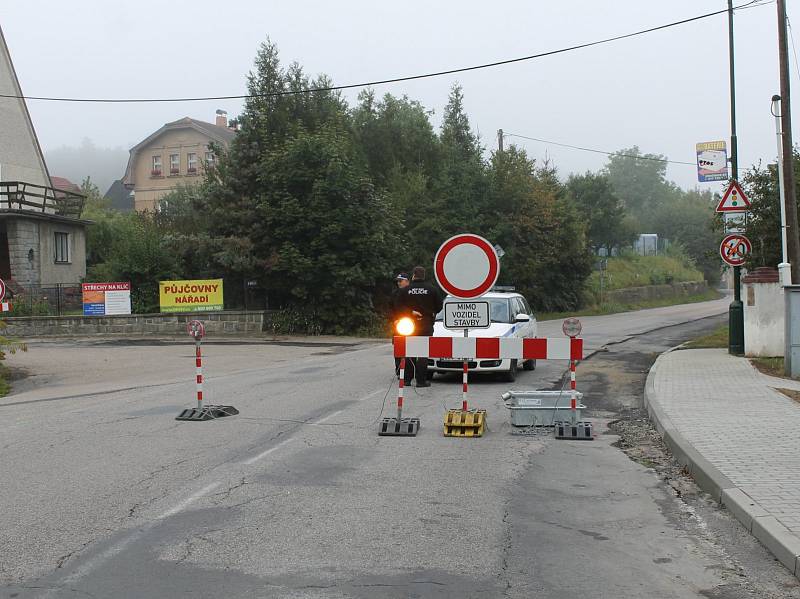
782	543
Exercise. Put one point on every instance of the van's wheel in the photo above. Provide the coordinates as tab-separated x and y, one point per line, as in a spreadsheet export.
529	365
511	375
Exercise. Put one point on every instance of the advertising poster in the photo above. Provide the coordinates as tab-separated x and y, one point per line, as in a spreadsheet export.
190	296
712	161
106	299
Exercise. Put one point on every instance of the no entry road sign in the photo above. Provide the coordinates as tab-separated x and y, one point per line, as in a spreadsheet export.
734	249
466	266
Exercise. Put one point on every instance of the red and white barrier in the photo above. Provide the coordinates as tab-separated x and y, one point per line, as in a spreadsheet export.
400	387
488	348
199	372
5	307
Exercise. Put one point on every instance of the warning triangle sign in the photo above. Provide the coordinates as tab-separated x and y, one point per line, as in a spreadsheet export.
734	199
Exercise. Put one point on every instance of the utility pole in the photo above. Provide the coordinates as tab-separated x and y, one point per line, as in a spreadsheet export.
500	140
790	199
736	309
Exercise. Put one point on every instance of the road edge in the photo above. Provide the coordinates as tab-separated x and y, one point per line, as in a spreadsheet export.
773	535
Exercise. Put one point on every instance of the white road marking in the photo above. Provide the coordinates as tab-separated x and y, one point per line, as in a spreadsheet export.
264	454
373	394
137	534
189	500
329	416
117	548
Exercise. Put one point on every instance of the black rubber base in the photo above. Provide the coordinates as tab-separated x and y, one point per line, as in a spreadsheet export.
206	413
392	427
580	431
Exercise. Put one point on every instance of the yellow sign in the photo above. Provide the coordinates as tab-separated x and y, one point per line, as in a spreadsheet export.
190	296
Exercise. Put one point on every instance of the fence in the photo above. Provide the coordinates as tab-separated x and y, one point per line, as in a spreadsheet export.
53	300
64	299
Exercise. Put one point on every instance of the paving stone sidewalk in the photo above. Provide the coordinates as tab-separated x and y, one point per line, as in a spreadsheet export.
739	437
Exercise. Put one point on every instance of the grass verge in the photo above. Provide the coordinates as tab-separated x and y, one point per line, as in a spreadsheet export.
5	376
615	308
770	366
717	338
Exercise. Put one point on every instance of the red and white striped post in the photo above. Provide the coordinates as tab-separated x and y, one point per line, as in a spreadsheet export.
199	371
464	388
572	328
573	405
400	388
196	329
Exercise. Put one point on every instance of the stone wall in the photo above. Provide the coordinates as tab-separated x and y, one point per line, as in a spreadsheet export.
234	322
23	236
655	292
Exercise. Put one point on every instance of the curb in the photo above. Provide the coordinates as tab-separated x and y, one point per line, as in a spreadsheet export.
773	535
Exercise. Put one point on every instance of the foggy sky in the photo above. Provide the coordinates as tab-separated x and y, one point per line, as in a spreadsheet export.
663	91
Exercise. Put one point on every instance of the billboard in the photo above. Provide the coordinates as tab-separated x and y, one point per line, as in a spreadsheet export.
190	296
712	161
106	299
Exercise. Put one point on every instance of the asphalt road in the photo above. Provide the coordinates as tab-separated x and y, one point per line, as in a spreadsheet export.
106	495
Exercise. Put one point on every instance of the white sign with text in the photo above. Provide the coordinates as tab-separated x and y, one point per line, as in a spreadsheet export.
466	314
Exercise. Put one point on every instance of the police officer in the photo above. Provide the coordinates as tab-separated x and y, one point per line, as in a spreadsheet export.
398	310
424	301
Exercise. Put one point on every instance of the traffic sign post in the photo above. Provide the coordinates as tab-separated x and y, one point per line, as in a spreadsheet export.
465	314
197	331
734	249
712	161
466	266
734	199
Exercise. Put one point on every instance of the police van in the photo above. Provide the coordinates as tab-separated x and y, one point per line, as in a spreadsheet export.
511	316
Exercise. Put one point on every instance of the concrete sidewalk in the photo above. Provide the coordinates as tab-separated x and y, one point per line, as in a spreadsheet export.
739	438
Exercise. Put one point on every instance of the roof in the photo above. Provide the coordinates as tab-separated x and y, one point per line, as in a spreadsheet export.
5	53
120	196
64	184
223	135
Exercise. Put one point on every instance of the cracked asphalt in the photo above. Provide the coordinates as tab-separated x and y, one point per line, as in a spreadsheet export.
106	495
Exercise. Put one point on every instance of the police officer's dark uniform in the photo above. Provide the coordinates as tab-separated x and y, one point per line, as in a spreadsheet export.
398	309
422	297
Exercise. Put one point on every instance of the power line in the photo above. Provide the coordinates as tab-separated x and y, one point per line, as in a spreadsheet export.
556	143
751	4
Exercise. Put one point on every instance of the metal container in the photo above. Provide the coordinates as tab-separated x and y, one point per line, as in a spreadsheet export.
540	408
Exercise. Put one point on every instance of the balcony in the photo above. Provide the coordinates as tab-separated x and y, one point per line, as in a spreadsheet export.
16	195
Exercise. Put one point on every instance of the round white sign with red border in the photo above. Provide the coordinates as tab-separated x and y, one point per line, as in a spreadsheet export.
196	329
571	327
466	266
2	290
734	249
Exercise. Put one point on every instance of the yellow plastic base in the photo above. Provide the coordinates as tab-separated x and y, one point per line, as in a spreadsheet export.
460	423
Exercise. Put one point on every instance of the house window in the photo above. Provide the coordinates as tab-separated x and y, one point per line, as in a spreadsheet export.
209	158
155	170
174	164
191	162
62	248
